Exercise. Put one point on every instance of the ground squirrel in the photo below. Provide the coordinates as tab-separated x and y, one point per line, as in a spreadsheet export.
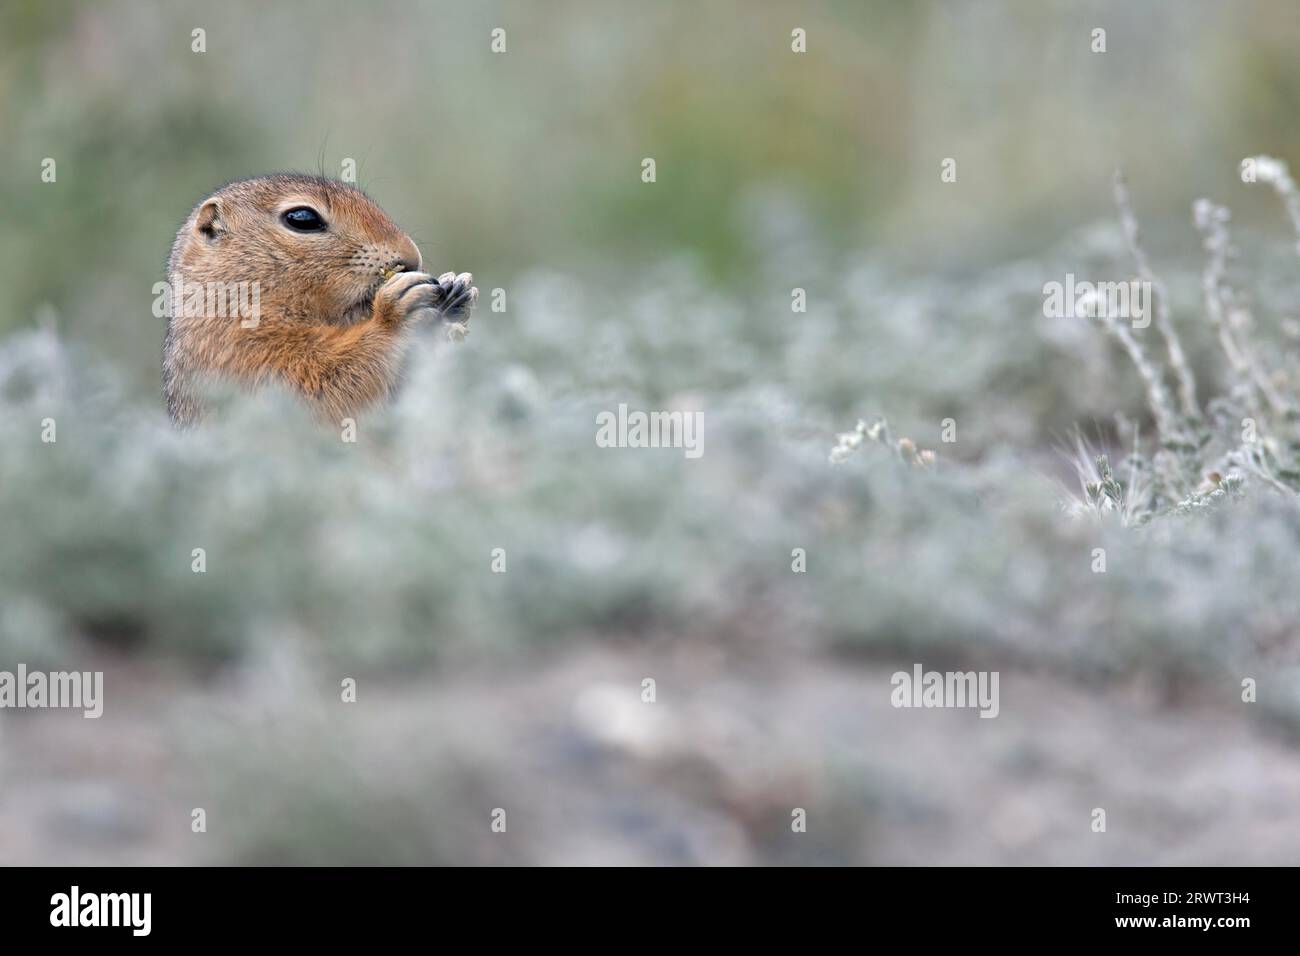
334	286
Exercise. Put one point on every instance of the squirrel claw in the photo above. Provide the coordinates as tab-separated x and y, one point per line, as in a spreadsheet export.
457	295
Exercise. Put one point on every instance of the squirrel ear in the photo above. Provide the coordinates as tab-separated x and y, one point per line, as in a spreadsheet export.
209	223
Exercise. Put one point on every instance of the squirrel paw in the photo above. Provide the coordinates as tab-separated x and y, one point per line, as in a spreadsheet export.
409	296
458	296
405	296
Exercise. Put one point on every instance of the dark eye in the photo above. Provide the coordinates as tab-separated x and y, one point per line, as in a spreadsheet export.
303	219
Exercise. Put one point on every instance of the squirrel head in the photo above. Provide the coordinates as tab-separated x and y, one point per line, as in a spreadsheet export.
317	248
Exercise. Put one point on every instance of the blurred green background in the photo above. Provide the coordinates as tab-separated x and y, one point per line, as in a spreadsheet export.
505	162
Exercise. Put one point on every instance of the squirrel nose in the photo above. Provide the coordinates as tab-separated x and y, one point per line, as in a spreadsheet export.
410	253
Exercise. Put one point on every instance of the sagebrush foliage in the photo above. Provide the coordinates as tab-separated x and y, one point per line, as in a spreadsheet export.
378	553
1203	452
374	559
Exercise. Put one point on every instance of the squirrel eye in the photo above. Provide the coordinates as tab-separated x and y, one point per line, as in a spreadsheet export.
303	219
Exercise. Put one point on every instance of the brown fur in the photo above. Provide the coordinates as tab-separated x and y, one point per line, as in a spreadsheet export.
330	327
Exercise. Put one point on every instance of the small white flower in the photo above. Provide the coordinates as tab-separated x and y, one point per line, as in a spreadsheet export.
1270	170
